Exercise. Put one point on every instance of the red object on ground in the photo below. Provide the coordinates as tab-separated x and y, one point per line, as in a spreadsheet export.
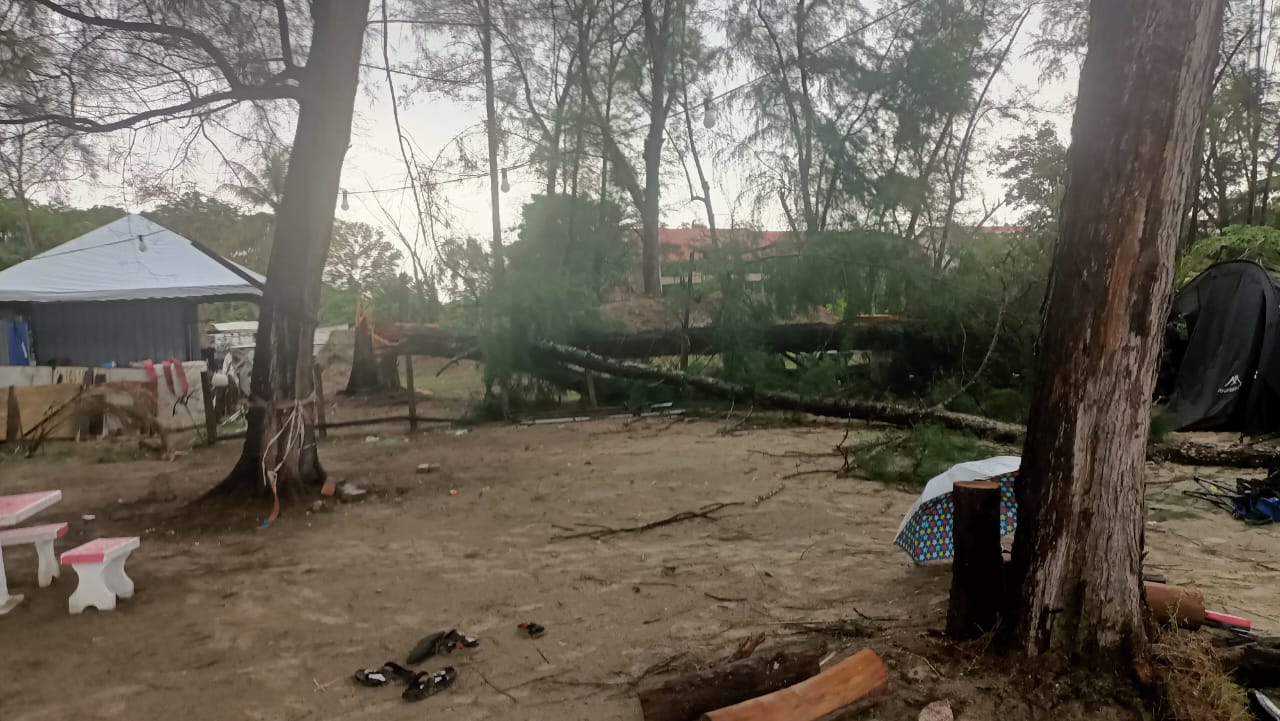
1227	619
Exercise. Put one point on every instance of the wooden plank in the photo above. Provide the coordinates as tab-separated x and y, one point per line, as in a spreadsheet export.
12	417
36	402
852	679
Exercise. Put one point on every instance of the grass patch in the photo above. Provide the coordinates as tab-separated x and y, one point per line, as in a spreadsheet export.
910	458
1192	683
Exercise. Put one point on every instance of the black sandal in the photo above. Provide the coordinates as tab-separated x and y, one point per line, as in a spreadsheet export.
534	630
439	642
429	683
375	677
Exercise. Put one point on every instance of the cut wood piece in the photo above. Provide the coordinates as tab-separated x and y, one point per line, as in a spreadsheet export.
1182	603
1255	664
684	697
852	679
977	574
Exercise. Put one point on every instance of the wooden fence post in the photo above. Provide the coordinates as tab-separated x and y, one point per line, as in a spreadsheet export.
413	393
977	571
321	421
210	417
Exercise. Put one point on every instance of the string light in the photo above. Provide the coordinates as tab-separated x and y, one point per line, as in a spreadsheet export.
142	243
506	186
708	112
345	205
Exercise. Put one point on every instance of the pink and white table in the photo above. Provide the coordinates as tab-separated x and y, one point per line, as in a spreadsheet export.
15	510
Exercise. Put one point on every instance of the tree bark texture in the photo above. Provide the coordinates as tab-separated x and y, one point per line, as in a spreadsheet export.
281	436
977	572
686	696
1076	560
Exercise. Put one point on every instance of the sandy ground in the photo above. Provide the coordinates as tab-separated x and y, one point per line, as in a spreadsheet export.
235	622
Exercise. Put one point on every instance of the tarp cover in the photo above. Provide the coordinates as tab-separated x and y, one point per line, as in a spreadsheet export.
110	263
1229	375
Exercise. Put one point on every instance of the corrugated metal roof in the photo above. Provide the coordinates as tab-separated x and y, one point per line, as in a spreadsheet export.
128	259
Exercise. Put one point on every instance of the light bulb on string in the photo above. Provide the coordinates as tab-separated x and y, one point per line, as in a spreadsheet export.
506	186
708	112
345	204
142	244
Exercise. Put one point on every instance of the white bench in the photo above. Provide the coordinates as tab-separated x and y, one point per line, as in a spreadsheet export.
42	537
100	566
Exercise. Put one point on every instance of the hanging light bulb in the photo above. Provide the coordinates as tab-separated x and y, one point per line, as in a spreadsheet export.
142	244
345	204
708	112
506	186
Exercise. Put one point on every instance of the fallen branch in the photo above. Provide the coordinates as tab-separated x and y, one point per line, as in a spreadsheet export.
892	413
704	512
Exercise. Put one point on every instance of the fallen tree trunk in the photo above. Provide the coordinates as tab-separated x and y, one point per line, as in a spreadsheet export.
687	696
784	338
1187	453
891	413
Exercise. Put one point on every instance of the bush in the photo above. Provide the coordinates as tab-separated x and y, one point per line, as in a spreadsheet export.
910	458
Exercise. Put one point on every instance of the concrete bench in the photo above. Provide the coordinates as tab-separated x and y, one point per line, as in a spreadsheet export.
42	537
100	566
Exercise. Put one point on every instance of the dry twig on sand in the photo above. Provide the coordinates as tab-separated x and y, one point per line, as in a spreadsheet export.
705	512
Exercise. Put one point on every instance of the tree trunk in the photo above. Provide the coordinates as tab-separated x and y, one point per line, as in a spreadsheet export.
491	130
280	441
1077	555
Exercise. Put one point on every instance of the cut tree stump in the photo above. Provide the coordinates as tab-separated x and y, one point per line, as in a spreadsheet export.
686	696
852	679
977	573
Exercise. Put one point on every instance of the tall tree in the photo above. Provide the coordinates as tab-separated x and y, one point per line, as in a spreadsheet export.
116	65
1077	555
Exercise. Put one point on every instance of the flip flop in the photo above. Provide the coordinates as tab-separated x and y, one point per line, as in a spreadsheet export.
534	630
1263	707
375	677
429	683
438	643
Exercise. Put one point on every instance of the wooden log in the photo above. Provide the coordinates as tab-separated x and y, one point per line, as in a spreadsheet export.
1180	603
1204	454
685	697
317	380
977	572
852	679
1255	664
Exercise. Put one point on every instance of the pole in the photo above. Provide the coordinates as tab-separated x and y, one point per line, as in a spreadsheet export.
317	380
413	393
210	414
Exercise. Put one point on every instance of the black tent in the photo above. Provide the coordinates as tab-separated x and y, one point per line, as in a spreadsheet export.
1229	375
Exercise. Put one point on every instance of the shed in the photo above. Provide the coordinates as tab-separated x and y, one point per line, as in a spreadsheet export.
123	293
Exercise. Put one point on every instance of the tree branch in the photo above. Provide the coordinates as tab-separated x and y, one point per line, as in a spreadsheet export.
130	26
88	125
286	45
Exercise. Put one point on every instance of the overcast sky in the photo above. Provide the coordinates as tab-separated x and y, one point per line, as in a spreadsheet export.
432	121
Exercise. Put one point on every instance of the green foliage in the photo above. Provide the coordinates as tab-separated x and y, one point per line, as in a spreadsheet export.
910	458
1260	244
1035	164
222	227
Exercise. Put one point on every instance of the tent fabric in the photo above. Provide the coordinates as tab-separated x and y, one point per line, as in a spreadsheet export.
1229	374
112	263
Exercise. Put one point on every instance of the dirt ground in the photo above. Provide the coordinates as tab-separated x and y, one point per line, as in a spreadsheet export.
234	621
